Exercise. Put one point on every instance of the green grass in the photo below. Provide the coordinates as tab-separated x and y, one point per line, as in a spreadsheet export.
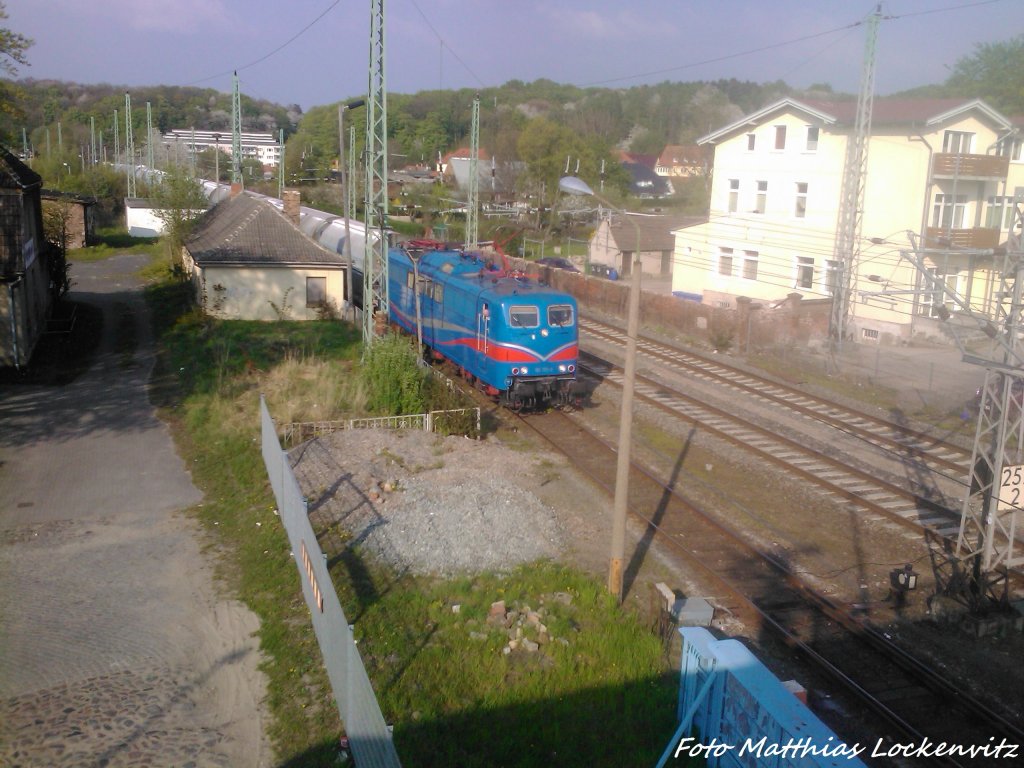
110	242
453	695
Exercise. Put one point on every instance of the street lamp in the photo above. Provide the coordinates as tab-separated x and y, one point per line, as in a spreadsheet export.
342	109
575	186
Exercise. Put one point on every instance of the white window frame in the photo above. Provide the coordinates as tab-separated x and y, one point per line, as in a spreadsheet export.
800	205
811	144
955	280
804	277
953	142
830	277
733	204
726	256
761	197
750	260
945	206
999	212
780	138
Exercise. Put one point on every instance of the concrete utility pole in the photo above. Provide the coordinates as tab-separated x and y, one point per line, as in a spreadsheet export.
620	508
851	201
346	201
280	165
376	306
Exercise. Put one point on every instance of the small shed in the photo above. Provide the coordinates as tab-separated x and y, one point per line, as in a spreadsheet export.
76	213
25	262
614	242
249	261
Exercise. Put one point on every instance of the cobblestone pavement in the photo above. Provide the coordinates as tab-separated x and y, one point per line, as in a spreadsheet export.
115	647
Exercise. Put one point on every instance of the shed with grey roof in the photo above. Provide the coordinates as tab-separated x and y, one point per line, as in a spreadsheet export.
248	261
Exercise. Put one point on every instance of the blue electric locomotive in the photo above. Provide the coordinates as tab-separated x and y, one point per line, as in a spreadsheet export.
514	337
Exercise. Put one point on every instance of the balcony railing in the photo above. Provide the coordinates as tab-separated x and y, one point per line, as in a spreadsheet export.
977	237
970	166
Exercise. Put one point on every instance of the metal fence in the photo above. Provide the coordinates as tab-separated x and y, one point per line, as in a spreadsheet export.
369	737
299	431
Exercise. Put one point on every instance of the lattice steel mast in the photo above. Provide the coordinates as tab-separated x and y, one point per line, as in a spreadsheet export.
473	189
375	261
236	134
851	201
129	144
993	509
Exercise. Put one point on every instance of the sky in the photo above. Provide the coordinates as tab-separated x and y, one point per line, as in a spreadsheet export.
316	52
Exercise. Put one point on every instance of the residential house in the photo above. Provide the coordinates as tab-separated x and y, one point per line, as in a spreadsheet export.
76	212
682	160
25	295
249	261
617	239
940	174
181	144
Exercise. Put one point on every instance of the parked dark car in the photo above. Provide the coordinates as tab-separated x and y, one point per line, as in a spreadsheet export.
558	262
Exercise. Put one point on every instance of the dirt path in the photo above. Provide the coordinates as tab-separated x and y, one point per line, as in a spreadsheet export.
116	646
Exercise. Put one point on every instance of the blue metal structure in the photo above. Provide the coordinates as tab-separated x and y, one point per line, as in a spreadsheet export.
735	713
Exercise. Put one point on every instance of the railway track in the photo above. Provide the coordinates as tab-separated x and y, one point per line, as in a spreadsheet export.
915	501
915	702
898	438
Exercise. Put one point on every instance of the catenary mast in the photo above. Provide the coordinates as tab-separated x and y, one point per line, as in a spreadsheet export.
375	260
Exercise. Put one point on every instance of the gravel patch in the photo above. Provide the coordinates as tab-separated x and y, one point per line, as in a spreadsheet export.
430	504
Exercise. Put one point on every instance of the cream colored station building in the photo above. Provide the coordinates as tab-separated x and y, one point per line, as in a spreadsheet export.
944	170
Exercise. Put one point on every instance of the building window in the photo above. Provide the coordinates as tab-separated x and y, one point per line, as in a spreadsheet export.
316	291
725	261
1012	148
762	197
751	141
801	200
804	272
947	212
734	195
812	138
780	137
934	296
831	276
750	265
999	213
957	142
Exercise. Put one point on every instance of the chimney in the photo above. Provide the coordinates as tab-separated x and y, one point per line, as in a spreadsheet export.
236	189
291	199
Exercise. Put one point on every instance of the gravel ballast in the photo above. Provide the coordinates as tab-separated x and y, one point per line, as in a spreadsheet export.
430	504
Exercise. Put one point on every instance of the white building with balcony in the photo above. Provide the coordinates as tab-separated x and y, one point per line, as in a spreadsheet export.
943	172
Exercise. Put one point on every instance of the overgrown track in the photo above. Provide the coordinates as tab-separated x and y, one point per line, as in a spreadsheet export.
763	591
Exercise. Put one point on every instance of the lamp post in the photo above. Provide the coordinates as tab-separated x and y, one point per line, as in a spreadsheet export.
575	186
342	109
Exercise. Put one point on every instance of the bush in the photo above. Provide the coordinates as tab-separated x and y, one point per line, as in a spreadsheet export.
395	383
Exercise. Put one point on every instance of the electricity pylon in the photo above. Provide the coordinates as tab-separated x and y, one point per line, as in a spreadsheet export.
473	190
851	201
375	260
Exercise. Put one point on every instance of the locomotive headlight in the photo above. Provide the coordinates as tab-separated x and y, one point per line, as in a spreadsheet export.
524	370
561	369
515	371
544	332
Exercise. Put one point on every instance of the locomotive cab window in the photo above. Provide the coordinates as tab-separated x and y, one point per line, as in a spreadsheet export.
520	316
559	315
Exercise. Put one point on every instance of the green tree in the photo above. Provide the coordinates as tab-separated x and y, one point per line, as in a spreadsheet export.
178	202
993	74
13	48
